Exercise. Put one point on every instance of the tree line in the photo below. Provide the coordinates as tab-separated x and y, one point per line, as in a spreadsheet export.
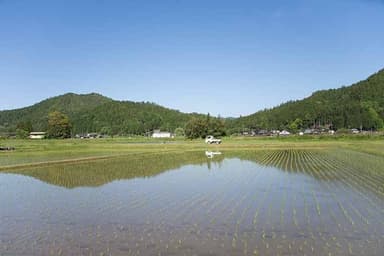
358	106
60	126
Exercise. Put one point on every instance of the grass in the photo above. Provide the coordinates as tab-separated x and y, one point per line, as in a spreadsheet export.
31	152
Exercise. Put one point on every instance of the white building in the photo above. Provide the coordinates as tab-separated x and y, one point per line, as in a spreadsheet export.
37	135
160	134
284	133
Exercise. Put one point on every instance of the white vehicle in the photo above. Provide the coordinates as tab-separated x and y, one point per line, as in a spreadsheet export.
211	154
210	140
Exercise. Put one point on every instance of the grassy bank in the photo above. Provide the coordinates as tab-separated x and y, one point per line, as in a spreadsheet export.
29	152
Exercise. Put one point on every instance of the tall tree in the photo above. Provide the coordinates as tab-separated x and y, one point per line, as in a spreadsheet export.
59	125
196	128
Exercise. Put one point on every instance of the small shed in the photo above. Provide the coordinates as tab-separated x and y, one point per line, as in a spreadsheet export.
37	135
160	134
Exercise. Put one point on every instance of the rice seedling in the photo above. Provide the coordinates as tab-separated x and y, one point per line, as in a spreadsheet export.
299	202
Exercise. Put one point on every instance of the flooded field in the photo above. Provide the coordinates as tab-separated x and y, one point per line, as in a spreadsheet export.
273	202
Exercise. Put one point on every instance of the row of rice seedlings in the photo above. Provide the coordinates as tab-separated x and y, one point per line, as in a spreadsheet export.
286	160
294	216
346	179
362	180
305	164
238	221
358	213
228	206
268	233
223	201
269	158
292	160
361	177
311	169
247	242
307	160
371	164
234	209
145	213
269	241
259	207
282	209
218	197
305	228
335	220
306	214
354	185
344	212
324	177
281	160
184	209
278	158
318	209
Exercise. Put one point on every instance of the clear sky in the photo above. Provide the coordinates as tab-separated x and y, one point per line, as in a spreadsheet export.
223	57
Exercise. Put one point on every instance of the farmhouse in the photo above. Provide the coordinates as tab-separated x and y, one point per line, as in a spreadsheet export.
37	135
284	133
160	134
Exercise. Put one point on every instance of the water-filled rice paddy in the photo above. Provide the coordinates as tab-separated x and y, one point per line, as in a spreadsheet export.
272	202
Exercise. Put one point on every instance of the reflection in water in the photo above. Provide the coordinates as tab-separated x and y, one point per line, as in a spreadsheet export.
100	172
285	202
211	154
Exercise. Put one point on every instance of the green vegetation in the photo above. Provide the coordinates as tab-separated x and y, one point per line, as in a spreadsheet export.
265	196
100	170
202	127
71	150
58	125
358	106
96	113
37	115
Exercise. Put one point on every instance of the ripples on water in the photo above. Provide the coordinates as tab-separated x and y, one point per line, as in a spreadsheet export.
235	203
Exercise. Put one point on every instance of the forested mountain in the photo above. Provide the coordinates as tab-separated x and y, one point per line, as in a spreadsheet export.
96	113
126	117
360	105
36	115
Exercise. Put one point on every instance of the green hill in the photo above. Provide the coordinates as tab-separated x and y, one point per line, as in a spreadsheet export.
96	113
360	105
126	117
69	103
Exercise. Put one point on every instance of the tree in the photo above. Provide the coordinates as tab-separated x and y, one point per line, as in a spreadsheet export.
370	116
295	125
25	126
59	125
201	127
23	129
179	132
216	127
21	134
106	130
196	128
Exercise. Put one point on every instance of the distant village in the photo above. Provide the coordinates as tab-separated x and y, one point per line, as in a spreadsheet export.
246	133
95	135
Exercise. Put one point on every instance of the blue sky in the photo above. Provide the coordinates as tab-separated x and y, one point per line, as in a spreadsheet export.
227	58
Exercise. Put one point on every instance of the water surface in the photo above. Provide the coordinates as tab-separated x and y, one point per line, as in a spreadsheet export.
237	203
